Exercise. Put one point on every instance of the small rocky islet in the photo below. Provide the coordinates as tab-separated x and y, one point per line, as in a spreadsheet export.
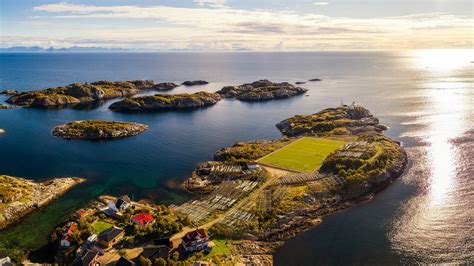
261	90
166	102
190	83
98	129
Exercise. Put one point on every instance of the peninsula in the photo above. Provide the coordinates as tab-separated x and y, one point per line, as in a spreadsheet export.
19	197
252	196
166	102
98	129
77	93
261	90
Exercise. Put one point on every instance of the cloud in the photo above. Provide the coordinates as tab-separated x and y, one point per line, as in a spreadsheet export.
215	28
211	3
321	3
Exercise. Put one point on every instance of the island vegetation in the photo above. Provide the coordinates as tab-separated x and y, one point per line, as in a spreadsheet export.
261	90
77	93
166	102
98	129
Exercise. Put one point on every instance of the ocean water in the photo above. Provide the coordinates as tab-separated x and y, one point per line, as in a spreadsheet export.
425	97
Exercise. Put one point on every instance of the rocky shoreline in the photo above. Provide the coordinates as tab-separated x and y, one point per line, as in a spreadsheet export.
98	129
20	197
166	102
7	106
261	90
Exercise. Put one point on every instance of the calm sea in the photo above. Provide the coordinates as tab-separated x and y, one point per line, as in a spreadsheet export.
426	98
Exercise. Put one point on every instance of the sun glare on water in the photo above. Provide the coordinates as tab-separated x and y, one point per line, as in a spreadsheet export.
442	59
433	218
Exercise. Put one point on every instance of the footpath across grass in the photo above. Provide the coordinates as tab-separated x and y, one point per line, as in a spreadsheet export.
303	155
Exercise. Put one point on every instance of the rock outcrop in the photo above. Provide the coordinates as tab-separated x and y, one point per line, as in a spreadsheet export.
195	82
334	121
261	90
98	130
81	93
9	92
165	86
316	79
19	196
166	102
6	106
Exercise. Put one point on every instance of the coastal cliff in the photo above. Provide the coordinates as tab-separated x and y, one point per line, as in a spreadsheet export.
19	197
261	90
166	102
84	93
98	129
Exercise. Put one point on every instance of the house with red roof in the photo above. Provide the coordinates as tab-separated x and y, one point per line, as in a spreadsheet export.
142	219
67	238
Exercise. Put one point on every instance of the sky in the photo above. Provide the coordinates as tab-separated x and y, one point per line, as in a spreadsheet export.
231	25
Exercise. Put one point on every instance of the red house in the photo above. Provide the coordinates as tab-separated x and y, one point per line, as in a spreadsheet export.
142	218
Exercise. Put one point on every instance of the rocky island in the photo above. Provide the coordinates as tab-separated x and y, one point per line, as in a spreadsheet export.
19	196
195	83
166	102
98	129
165	86
77	93
261	90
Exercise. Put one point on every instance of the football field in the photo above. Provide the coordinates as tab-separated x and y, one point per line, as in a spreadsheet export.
303	155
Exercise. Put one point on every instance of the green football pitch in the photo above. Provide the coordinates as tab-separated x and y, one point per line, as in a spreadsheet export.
303	155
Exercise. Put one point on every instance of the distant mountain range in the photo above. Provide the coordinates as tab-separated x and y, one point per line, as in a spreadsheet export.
77	49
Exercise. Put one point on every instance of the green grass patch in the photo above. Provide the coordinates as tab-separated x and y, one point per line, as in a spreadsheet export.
303	155
222	248
99	227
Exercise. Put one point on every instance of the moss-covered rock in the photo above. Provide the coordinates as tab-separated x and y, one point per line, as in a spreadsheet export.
98	129
166	102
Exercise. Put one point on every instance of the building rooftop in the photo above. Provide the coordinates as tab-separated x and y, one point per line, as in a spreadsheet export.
110	234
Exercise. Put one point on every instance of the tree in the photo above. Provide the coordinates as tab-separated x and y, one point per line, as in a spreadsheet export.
160	262
144	261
